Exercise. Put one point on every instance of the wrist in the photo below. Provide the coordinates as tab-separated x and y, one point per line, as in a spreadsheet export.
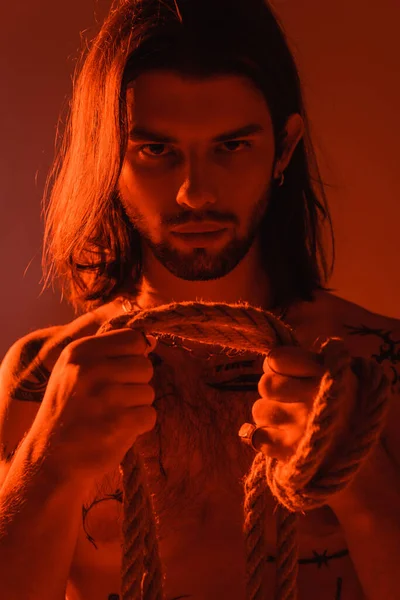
53	469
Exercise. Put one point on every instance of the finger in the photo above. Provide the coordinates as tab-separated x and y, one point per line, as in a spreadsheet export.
131	341
272	443
83	326
293	361
287	389
113	344
128	370
274	414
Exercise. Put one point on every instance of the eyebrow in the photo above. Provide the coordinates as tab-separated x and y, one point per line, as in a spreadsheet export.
142	134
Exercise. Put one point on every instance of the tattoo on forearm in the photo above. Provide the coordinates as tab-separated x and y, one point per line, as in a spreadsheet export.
389	350
5	455
30	379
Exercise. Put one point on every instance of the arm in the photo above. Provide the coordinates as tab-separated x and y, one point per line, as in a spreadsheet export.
39	518
39	511
371	524
370	517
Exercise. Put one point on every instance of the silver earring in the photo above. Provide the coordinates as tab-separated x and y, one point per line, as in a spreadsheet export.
282	179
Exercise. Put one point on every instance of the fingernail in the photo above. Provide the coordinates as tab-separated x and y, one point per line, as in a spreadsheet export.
269	354
268	357
151	341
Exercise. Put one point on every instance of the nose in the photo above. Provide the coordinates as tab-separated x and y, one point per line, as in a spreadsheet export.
195	191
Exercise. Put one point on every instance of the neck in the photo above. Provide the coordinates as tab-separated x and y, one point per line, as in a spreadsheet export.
248	282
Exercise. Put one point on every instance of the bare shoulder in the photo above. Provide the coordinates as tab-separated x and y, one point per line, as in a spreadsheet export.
367	334
26	369
21	373
27	365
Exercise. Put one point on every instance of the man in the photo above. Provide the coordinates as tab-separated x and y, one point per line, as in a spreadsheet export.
209	204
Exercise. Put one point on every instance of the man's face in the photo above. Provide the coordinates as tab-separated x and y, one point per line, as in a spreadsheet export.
195	178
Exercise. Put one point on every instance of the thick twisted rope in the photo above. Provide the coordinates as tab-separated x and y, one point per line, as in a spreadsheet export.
298	485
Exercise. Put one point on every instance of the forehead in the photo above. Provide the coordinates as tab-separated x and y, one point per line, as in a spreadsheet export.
220	102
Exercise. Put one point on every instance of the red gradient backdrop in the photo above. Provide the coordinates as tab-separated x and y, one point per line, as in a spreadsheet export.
347	51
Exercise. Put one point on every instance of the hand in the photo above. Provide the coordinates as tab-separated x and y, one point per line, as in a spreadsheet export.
98	399
288	388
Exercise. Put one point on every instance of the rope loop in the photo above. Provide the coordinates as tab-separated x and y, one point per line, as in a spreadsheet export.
300	484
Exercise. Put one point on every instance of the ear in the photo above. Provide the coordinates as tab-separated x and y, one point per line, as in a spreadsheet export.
294	132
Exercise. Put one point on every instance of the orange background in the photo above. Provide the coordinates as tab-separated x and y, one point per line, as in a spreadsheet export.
349	61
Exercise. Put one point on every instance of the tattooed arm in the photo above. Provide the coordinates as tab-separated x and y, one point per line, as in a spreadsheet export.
23	381
371	518
26	369
32	499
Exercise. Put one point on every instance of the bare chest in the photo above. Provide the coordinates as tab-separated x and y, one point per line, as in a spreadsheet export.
195	466
203	552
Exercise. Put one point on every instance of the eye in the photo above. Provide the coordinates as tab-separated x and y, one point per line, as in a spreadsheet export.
154	151
241	143
158	150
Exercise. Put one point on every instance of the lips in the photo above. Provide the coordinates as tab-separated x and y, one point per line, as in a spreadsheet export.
199	240
199	228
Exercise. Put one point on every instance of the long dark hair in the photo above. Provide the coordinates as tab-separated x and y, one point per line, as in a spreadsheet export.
89	243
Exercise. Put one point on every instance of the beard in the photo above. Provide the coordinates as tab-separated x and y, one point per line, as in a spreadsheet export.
200	264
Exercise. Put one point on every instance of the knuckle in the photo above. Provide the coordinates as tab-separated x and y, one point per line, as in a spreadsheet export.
76	350
152	415
147	368
278	414
271	385
145	419
136	334
264	385
275	444
70	352
151	394
259	410
139	339
285	389
272	414
146	395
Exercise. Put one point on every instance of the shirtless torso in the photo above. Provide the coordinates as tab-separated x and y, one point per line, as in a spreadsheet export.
195	466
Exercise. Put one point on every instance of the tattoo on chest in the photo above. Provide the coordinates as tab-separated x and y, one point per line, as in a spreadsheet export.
318	558
245	382
242	382
338	595
117	496
389	350
117	597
